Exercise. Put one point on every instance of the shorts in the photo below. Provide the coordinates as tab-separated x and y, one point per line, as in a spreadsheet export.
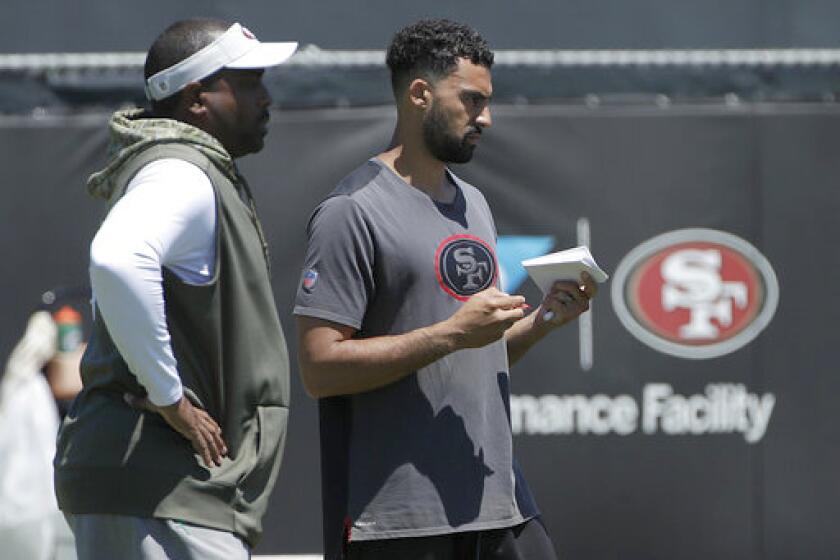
528	541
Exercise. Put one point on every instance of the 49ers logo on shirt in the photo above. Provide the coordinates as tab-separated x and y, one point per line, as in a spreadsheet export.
695	293
465	265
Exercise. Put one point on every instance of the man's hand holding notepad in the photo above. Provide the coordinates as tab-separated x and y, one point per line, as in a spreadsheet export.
563	265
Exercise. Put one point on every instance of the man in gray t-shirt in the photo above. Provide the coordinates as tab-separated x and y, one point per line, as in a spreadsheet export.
405	338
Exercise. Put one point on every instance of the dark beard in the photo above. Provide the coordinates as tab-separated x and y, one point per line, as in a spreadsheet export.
442	144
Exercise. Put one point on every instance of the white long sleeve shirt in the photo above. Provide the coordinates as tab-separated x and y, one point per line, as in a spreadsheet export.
167	218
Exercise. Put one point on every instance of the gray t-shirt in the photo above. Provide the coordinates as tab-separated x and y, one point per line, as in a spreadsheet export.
432	453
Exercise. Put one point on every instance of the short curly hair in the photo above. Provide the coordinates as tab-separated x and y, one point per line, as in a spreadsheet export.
430	49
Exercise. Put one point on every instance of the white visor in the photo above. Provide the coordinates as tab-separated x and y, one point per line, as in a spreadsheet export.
236	48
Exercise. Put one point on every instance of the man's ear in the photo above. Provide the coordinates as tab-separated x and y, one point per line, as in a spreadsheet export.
191	102
420	94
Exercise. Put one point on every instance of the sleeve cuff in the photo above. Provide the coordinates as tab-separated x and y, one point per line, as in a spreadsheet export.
327	316
166	398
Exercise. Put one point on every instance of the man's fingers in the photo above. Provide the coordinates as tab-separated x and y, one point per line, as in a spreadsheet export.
564	286
204	446
513	303
589	287
498	298
220	442
215	435
211	437
214	450
203	449
505	301
511	315
568	292
198	427
565	302
578	297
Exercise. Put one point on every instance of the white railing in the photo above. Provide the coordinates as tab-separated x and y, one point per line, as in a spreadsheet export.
312	56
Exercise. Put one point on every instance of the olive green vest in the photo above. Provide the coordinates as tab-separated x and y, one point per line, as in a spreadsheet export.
233	362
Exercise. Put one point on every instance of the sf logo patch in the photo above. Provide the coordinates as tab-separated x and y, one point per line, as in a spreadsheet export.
465	265
695	293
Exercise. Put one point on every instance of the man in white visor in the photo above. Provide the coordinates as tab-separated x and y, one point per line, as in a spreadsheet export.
172	448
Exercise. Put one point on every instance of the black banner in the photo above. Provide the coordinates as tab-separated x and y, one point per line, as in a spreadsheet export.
90	26
690	416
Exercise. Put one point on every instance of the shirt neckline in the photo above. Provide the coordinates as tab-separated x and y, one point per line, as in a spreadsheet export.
453	180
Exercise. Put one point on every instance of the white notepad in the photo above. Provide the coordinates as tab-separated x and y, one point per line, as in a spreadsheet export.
563	265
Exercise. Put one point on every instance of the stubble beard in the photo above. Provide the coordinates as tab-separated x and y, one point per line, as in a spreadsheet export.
441	143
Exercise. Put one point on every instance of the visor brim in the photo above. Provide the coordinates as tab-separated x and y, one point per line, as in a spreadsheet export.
264	55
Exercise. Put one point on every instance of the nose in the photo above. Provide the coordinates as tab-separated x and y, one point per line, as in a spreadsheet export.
484	118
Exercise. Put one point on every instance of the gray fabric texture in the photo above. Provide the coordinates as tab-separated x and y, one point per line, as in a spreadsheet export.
432	453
